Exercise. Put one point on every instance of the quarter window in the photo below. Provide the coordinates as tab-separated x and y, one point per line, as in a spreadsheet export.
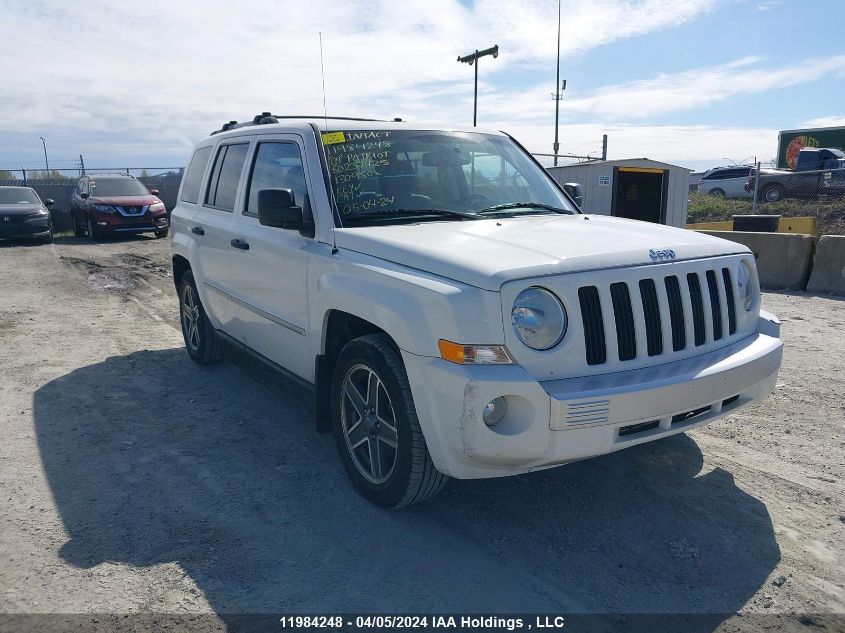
276	166
193	176
223	187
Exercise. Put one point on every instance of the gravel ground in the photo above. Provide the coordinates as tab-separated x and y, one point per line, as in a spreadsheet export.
133	481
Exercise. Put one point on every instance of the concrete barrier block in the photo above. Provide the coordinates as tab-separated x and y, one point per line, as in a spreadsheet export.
783	259
829	265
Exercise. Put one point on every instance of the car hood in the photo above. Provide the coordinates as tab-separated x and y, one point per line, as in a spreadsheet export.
125	201
19	209
488	253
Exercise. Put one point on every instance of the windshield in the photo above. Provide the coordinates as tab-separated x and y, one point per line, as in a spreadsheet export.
18	195
388	177
113	188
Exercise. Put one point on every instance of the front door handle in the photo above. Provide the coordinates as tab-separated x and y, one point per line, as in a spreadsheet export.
240	244
197	230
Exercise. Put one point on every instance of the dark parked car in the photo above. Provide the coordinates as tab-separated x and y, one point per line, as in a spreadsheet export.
103	205
23	214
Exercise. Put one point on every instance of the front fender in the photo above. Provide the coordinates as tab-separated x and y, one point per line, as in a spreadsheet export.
415	308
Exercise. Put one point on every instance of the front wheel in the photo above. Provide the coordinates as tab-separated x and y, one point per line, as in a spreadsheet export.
203	345
162	232
376	428
77	230
717	193
93	235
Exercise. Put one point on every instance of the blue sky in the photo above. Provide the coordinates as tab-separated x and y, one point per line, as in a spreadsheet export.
684	81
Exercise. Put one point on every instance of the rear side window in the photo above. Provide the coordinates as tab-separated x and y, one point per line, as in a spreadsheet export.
193	177
223	187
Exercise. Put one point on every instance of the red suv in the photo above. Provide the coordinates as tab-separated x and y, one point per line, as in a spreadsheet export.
103	205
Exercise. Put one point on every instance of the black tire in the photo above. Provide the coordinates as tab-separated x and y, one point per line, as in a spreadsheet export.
77	230
772	193
49	238
162	232
203	345
91	230
413	478
717	193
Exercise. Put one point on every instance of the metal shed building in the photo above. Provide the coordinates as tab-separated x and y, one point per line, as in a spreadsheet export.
636	188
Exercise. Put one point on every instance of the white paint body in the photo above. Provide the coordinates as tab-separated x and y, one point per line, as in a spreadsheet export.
457	281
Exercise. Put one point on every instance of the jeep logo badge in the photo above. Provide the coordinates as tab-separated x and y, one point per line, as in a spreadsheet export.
6	218
666	253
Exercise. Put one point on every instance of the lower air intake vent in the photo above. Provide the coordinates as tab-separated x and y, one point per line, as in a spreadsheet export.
587	412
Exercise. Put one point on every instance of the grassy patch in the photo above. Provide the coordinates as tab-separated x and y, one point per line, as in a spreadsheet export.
829	214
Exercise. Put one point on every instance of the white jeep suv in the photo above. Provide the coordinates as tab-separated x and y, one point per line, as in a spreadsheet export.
453	311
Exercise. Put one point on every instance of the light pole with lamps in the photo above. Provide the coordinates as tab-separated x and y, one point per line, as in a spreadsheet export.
46	164
471	59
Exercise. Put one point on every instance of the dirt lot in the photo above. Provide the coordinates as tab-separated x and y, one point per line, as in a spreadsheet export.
133	481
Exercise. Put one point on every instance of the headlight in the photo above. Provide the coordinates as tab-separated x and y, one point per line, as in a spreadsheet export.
538	318
745	282
103	208
41	213
158	206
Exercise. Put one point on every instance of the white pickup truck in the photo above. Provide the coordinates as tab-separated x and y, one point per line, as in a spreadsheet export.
454	312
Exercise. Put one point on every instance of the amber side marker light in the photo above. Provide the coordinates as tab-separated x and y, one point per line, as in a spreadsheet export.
474	354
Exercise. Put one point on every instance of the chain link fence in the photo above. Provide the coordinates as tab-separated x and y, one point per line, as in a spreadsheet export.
819	194
563	160
58	184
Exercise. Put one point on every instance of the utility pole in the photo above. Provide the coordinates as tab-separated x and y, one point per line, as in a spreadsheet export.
82	164
558	86
471	59
604	146
46	164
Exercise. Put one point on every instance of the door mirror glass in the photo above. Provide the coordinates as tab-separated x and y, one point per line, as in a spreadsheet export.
83	195
49	202
154	192
277	208
575	191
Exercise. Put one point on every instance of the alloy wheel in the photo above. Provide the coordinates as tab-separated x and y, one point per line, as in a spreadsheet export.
190	318
369	424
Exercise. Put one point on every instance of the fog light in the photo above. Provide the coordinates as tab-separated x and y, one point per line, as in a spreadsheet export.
494	411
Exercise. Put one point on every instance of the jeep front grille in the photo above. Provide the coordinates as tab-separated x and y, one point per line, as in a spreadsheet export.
691	322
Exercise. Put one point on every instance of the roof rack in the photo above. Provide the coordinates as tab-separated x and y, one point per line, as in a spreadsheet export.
266	118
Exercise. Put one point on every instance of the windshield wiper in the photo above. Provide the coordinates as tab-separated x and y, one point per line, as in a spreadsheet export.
524	205
392	213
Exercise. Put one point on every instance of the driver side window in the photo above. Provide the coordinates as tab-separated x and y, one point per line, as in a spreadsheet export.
277	165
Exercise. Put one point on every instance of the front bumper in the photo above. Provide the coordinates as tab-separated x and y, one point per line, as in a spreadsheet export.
35	227
560	421
117	223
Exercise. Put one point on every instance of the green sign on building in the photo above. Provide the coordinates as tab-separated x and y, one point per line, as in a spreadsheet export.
790	142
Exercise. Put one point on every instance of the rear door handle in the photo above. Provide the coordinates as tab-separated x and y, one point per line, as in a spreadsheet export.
197	230
240	244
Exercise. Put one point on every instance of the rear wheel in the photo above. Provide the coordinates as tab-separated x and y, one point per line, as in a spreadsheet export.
376	428
773	193
202	343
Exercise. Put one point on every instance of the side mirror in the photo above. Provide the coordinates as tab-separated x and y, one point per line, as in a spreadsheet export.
49	202
575	191
277	207
154	192
84	195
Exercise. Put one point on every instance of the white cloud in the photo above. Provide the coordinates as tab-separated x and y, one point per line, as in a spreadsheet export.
825	121
167	72
701	86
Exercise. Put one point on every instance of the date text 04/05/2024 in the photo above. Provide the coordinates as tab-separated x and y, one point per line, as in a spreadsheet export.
488	622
